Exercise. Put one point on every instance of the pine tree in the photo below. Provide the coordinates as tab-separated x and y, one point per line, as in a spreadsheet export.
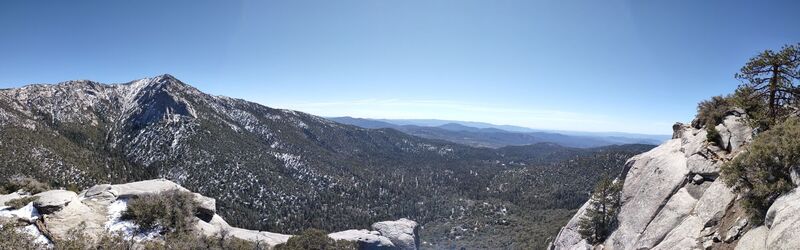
600	217
772	75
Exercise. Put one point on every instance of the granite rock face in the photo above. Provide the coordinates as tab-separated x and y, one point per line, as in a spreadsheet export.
672	198
53	200
569	237
403	232
366	239
783	221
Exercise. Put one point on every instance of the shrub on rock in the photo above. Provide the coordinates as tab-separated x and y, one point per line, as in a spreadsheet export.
26	184
21	202
172	210
11	238
763	172
711	112
712	135
187	240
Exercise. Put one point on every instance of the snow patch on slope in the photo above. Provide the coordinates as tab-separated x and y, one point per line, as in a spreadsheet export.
127	228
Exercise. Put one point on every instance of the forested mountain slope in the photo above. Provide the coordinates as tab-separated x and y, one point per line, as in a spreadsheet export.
277	170
497	136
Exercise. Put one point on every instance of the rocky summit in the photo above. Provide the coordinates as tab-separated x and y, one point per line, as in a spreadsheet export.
97	211
672	199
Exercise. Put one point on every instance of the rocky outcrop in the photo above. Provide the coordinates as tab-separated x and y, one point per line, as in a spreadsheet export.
783	221
50	201
206	205
366	239
97	211
8	197
756	238
403	232
672	198
569	237
642	200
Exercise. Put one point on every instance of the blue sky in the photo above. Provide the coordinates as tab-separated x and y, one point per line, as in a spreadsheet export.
632	66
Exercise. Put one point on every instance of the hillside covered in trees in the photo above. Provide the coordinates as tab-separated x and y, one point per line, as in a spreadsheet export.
286	171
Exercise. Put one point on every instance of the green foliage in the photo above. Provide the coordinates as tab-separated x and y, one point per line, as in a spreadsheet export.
77	239
106	241
600	217
21	202
756	108
712	135
711	112
193	241
172	210
762	173
26	184
771	76
315	239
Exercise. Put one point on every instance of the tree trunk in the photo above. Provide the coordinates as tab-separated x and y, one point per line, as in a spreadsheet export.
773	89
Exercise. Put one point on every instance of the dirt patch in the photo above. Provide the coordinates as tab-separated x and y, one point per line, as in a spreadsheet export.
731	218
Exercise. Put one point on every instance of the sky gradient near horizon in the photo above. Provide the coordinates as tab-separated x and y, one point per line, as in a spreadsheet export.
629	66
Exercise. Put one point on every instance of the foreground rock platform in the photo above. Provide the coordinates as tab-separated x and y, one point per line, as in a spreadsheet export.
53	213
672	199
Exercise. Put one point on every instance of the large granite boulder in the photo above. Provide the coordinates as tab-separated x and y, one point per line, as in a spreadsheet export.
365	239
783	221
50	201
206	205
653	178
77	212
403	233
715	201
734	132
755	239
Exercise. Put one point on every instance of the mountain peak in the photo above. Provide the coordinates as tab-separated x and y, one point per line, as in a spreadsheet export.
154	85
150	99
160	81
167	78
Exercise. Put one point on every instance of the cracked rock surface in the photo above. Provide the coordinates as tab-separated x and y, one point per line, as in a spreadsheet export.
673	199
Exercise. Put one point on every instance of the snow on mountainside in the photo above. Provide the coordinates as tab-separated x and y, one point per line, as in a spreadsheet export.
83	132
286	171
672	199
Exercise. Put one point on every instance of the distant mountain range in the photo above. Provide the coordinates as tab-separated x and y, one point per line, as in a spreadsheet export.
286	171
480	134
